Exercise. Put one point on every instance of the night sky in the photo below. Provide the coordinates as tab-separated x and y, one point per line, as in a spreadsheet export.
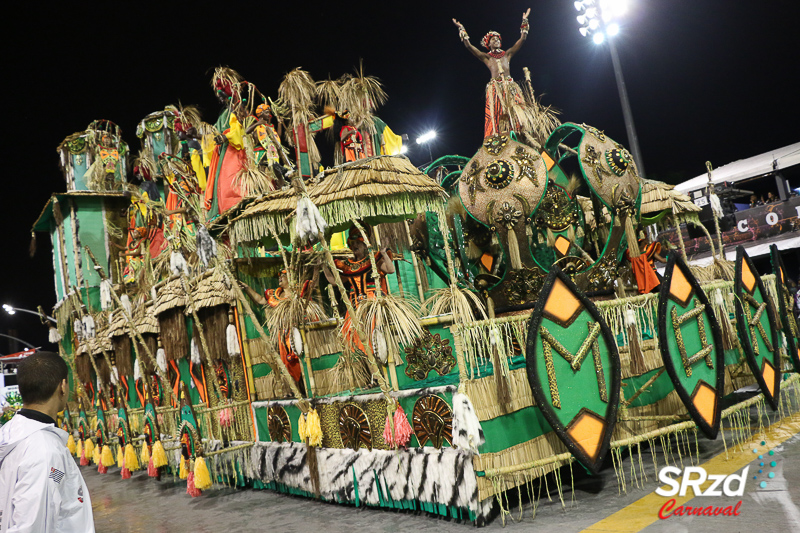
707	80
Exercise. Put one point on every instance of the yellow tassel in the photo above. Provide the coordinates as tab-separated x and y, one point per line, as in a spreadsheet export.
96	455
120	457
313	428
89	447
145	454
202	477
301	427
107	458
159	455
131	461
74	450
182	473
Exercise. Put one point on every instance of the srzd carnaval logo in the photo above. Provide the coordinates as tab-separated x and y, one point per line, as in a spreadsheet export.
694	477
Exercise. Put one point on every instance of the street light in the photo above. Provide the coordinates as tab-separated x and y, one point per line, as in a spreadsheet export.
598	18
426	138
11	310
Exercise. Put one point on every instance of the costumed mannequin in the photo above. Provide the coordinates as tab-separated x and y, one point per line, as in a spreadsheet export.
272	298
191	149
349	137
502	93
143	231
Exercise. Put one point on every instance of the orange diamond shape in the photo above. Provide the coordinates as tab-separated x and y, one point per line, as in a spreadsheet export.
562	305
704	399
562	245
679	287
748	279
586	430
769	376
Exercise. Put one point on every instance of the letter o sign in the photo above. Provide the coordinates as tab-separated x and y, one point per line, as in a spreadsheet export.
772	218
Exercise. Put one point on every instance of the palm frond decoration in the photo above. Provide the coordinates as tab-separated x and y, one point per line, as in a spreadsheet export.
393	315
461	303
191	114
362	95
292	312
298	92
329	93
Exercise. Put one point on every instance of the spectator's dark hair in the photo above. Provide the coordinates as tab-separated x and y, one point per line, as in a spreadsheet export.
39	375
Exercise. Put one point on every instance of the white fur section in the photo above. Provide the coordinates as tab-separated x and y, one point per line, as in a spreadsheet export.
161	360
467	431
88	327
195	353
233	341
53	335
177	264
297	341
426	474
105	294
126	303
137	374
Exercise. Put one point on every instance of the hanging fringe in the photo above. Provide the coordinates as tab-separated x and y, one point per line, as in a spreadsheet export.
513	249
145	460
551	238
630	237
53	335
313	468
120	457
183	471
729	338
501	381
191	489
32	246
126	303
159	456
233	341
106	457
206	246
131	461
309	222
152	471
637	367
102	469
225	417
202	478
467	430
88	450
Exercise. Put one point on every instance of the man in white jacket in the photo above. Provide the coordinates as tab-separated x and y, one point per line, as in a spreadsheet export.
41	487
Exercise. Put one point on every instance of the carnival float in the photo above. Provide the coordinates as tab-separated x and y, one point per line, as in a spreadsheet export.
374	334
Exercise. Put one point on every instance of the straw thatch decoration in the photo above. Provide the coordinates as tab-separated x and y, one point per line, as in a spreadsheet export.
212	290
174	336
657	196
170	296
83	367
381	186
117	325
122	353
145	321
215	323
103	370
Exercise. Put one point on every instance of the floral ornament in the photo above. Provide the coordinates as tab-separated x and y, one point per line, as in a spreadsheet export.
429	352
472	180
523	285
507	215
526	161
594	132
592	159
495	143
557	210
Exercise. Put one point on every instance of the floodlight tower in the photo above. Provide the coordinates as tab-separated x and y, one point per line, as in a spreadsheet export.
599	19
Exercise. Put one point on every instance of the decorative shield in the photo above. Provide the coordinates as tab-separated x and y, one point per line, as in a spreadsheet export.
758	332
580	402
690	341
786	308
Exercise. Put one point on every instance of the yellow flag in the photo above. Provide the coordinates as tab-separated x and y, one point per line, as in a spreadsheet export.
392	142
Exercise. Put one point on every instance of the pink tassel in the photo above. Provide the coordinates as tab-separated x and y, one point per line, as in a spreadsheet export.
191	490
84	460
102	469
402	429
152	471
225	417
